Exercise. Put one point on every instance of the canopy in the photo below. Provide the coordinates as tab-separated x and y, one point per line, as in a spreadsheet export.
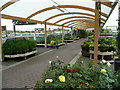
67	13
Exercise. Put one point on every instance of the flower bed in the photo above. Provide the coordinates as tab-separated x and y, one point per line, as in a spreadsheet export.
59	75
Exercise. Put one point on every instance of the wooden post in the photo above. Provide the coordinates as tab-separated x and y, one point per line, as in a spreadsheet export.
45	34
62	34
96	32
0	41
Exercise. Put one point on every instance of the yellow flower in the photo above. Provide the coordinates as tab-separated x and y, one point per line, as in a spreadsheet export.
62	78
48	81
103	70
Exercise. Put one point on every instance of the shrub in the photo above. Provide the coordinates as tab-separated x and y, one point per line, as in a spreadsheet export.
18	45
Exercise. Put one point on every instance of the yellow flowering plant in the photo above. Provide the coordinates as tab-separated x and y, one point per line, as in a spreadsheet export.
62	78
103	71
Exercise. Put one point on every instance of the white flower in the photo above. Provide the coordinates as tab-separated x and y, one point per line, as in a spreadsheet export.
108	64
57	57
103	61
48	81
50	62
81	61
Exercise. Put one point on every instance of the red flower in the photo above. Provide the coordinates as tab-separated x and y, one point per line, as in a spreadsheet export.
73	70
82	83
68	70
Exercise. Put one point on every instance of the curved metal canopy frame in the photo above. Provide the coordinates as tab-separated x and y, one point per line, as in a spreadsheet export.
69	14
65	6
74	17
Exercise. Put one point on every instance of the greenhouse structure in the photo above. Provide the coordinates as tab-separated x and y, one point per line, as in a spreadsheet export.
73	14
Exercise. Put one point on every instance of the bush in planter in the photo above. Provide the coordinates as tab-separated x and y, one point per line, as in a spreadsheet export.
18	45
59	75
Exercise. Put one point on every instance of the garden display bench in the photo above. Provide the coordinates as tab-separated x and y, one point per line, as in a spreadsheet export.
20	55
102	54
76	38
66	41
43	44
60	44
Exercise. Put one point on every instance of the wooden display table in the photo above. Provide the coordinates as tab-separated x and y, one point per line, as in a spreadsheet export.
102	54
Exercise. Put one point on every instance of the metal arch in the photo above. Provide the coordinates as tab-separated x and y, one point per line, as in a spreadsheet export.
65	6
73	17
78	20
8	4
70	13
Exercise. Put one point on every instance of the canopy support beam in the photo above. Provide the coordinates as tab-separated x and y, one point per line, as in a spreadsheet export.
45	34
0	41
96	32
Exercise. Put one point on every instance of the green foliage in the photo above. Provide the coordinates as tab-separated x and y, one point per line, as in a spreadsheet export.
105	30
68	36
82	33
77	76
18	45
50	38
104	43
91	37
42	41
53	38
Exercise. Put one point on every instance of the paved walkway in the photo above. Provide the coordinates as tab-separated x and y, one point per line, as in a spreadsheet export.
27	73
